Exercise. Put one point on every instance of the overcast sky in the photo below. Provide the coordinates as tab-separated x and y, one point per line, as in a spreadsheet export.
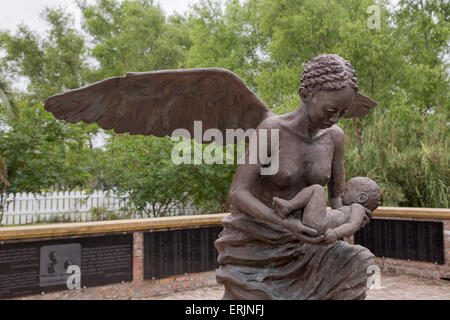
14	12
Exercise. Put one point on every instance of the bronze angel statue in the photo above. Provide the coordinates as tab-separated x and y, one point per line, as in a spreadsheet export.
263	254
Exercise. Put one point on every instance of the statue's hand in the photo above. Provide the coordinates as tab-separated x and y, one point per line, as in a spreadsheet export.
367	217
303	233
330	236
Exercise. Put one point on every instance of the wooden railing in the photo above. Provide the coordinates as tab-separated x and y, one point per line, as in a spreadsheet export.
85	228
428	213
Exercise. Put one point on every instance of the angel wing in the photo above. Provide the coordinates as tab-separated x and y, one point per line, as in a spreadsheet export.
361	106
156	103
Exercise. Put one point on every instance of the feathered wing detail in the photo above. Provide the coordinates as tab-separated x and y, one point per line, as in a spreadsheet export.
157	103
361	106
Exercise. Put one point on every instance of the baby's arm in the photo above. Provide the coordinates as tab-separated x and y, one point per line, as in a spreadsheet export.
357	213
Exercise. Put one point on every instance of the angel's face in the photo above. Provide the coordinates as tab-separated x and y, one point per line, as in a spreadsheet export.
325	108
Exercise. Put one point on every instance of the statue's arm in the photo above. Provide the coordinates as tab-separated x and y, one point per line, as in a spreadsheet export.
241	196
336	184
246	176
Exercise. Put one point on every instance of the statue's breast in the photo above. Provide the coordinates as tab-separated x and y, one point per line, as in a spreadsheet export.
302	164
317	174
318	162
286	177
291	164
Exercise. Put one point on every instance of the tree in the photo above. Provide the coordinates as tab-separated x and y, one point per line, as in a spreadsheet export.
3	183
9	109
53	64
423	29
11	115
141	169
222	37
132	36
41	152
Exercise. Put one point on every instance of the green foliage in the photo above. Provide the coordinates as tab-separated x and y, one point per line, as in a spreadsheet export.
41	152
9	110
405	152
139	167
58	218
222	37
423	28
142	170
53	64
3	172
103	214
296	31
133	36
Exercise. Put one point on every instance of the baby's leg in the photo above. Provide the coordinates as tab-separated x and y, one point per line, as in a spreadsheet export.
282	207
286	207
313	202
314	213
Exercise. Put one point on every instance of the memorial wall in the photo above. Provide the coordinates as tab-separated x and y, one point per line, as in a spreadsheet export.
400	239
163	255
173	252
44	266
30	266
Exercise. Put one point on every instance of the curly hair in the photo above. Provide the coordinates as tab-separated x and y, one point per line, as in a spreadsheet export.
328	72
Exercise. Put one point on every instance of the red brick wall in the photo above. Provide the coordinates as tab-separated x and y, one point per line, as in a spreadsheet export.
447	241
138	257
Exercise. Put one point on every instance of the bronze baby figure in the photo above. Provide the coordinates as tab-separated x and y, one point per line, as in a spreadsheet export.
361	194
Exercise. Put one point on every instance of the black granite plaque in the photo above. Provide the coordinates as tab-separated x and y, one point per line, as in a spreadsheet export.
41	266
107	260
401	239
174	252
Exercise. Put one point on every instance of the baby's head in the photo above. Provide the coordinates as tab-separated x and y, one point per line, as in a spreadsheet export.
364	191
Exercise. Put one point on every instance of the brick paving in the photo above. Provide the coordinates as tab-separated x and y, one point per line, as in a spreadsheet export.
393	287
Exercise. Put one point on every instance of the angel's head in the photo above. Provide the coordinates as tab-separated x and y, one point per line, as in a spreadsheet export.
328	88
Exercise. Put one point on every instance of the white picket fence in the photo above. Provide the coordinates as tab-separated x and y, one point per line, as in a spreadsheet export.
27	208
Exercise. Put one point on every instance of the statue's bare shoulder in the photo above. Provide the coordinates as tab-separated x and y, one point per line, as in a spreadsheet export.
338	136
270	123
